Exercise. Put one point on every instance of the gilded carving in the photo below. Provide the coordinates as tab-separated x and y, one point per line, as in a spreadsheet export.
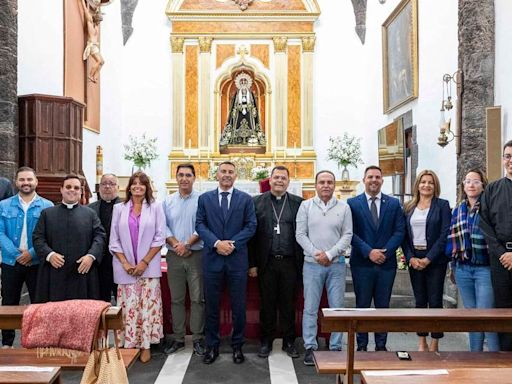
177	44
308	44
205	44
280	43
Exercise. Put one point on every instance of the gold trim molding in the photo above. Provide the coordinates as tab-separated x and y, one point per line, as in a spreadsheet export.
280	43
308	43
205	44
177	44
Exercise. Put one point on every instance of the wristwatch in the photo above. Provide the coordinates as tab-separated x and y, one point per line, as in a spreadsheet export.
187	245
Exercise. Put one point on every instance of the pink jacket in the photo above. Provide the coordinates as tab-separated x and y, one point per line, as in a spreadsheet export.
151	234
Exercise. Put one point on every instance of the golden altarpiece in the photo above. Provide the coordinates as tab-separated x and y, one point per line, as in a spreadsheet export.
215	45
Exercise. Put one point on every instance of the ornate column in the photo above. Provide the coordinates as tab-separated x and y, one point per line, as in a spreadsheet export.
281	91
308	48
8	90
178	94
476	60
205	45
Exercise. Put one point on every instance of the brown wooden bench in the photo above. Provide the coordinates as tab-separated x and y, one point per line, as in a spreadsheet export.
30	377
10	318
454	376
407	320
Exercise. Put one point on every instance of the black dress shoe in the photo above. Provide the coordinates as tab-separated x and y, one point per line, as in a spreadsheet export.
291	350
210	355
381	348
199	347
174	347
264	350
238	356
362	348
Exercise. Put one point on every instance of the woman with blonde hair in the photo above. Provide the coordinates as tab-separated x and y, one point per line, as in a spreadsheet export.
468	249
136	237
427	222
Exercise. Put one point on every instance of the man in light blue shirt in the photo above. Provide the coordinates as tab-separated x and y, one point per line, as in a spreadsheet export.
18	217
184	264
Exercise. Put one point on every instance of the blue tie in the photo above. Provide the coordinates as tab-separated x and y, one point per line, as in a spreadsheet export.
224	204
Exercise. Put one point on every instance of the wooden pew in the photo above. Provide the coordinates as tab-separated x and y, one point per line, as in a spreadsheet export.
18	375
404	320
10	318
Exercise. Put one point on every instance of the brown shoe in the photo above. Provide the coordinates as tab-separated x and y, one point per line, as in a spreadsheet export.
145	355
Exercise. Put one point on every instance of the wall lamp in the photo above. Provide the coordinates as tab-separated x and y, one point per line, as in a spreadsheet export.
446	135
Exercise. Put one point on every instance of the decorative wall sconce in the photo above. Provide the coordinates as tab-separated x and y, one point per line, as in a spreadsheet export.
446	135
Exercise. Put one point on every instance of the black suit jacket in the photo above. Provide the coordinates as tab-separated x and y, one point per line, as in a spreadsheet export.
261	243
5	188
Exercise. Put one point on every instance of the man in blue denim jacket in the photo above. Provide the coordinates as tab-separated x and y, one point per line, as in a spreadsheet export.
18	217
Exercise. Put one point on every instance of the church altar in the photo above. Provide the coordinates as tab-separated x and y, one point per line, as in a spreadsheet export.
248	186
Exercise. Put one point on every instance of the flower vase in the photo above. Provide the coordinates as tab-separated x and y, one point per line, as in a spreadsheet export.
345	175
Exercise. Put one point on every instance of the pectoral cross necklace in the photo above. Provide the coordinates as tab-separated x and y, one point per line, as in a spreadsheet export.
277	228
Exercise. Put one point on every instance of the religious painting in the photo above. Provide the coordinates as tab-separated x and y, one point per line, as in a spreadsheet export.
400	55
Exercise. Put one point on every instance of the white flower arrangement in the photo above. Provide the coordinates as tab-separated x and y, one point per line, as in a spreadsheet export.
345	150
260	172
212	172
141	150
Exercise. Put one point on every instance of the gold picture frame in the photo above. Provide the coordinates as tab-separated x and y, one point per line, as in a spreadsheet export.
400	55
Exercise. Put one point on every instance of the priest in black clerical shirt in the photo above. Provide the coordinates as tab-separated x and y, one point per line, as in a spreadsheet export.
69	241
109	189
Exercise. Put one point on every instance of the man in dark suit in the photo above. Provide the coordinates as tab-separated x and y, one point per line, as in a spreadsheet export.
276	259
379	228
109	190
226	222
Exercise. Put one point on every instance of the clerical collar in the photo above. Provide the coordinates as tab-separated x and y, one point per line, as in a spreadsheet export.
69	206
108	201
277	197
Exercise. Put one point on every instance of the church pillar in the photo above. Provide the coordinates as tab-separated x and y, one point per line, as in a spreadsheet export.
178	76
281	91
205	45
8	90
308	48
476	60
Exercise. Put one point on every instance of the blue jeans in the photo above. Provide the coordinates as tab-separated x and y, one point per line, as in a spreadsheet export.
474	282
315	276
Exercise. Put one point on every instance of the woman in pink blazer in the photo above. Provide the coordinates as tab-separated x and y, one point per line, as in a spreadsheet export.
136	237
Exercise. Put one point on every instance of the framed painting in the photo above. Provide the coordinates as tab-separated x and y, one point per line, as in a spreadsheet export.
400	55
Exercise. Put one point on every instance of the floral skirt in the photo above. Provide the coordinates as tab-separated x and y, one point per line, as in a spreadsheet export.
142	313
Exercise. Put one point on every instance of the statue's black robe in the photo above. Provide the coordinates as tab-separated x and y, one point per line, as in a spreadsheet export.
73	233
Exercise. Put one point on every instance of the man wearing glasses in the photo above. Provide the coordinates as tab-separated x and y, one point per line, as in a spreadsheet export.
109	190
69	241
496	224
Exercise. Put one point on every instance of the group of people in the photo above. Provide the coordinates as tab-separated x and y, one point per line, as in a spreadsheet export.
224	236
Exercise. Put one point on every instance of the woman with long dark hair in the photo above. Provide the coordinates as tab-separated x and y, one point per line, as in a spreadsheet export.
427	223
137	235
468	250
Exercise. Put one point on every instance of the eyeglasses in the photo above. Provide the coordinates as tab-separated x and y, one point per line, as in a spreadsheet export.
76	187
507	157
472	182
108	184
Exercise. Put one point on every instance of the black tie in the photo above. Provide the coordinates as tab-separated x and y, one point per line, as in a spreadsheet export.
373	210
224	204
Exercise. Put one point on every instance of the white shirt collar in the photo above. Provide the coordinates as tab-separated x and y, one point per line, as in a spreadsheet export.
22	202
230	191
69	206
379	196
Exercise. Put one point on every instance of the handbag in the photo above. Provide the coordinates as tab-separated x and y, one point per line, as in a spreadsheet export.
105	365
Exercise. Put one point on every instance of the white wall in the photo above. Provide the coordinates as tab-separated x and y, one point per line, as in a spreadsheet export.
503	77
348	83
40	47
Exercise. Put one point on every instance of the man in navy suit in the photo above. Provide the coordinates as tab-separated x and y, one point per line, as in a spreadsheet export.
225	221
379	228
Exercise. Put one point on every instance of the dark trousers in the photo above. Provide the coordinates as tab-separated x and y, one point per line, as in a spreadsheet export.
278	285
428	286
106	277
237	287
13	278
373	283
502	286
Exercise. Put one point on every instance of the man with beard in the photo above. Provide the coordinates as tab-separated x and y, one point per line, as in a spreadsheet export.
109	190
69	241
225	222
18	217
276	259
